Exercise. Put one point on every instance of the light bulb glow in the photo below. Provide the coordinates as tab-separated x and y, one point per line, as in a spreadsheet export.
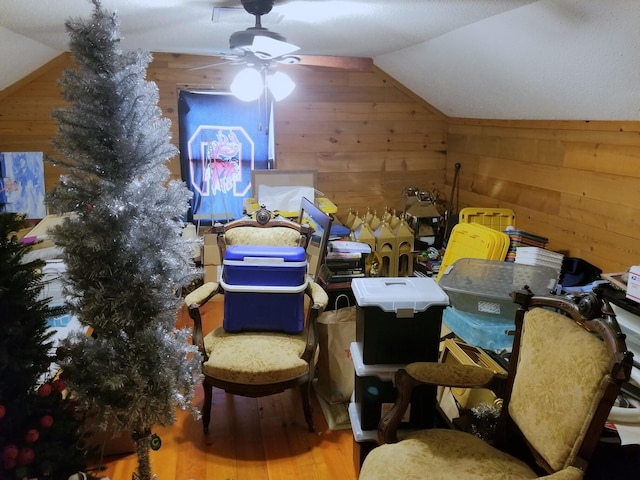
247	85
280	85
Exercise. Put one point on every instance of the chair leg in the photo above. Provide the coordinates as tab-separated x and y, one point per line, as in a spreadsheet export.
305	390
206	407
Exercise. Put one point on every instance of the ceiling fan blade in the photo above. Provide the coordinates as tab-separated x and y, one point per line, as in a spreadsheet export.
348	63
212	65
272	47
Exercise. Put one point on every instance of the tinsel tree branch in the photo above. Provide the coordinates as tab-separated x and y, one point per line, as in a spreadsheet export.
123	248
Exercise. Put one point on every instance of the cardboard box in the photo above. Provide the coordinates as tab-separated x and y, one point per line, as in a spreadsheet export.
457	352
210	238
211	273
633	283
211	255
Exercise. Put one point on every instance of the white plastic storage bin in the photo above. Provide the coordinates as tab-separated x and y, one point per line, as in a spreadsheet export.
398	319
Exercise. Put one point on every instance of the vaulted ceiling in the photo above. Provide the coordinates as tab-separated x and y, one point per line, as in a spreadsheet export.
506	59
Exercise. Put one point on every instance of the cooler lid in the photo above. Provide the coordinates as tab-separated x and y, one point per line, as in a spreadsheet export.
285	254
394	293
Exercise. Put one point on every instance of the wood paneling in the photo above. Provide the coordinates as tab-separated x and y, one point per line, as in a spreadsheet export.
368	137
576	183
364	134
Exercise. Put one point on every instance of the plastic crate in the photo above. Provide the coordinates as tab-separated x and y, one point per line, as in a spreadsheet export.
490	332
472	240
496	218
483	286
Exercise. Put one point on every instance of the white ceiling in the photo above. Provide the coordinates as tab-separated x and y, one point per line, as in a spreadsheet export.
511	59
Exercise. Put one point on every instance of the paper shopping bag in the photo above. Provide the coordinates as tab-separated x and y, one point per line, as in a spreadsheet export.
336	331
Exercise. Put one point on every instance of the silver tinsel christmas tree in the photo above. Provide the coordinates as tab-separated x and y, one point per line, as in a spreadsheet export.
123	248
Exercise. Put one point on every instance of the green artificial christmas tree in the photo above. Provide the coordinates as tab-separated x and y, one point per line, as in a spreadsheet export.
123	248
40	429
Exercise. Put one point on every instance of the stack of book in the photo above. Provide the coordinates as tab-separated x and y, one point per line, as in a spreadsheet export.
344	266
520	238
346	260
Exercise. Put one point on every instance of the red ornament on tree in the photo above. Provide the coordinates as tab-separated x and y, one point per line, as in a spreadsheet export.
10	452
8	463
44	390
31	436
46	421
3	411
26	456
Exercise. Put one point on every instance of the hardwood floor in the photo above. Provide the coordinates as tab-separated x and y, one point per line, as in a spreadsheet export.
249	439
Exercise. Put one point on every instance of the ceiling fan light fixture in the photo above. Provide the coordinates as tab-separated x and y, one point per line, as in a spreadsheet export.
247	85
272	46
280	85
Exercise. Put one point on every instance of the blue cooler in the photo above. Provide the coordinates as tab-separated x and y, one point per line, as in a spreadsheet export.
264	288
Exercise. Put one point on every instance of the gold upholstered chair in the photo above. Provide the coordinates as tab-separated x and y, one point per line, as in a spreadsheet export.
258	363
565	371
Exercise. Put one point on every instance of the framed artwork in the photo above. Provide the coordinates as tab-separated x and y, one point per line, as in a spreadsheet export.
22	183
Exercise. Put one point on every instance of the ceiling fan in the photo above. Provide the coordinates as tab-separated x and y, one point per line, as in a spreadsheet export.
261	47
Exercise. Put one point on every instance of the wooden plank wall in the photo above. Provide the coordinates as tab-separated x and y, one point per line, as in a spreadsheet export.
577	183
369	138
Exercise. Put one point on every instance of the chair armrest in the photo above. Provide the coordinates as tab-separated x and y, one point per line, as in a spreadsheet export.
317	294
194	301
450	374
319	300
201	295
433	373
569	473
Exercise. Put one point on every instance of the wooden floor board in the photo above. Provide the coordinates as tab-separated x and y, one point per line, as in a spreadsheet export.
249	439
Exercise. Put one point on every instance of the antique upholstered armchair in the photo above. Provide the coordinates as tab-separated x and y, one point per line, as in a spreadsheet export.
567	365
257	363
